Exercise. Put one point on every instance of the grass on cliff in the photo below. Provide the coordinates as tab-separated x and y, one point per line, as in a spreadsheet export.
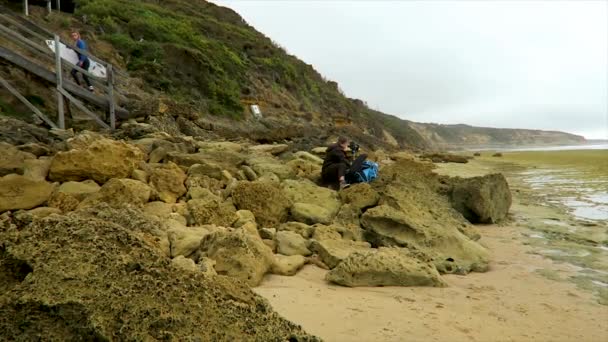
201	53
6	109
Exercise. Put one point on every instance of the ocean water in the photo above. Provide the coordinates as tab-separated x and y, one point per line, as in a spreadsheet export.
585	197
575	182
562	148
574	178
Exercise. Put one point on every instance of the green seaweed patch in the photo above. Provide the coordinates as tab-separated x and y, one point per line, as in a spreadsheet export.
6	109
594	282
549	274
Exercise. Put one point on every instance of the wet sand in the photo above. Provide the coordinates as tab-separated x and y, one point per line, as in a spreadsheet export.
514	301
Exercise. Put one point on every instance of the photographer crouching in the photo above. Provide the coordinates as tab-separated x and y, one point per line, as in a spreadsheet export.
337	165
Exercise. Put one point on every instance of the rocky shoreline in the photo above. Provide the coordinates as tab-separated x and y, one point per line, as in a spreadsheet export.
527	295
180	226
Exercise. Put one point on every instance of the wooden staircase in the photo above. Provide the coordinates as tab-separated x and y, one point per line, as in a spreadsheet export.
18	35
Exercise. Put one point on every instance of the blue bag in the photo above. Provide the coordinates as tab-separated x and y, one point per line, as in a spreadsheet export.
367	172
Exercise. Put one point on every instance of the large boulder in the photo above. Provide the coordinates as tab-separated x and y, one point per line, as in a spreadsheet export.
222	160
348	217
249	173
262	164
290	243
308	156
149	144
298	227
452	251
212	211
332	252
83	278
415	215
196	184
243	217
325	232
37	169
159	209
272	149
18	132
168	180
219	146
312	204
437	157
69	194
80	190
36	149
333	232
101	160
63	202
484	199
238	255
184	264
185	240
42	212
20	192
311	213
287	265
206	168
385	267
264	200
304	168
197	192
360	196
118	193
13	160
319	151
83	140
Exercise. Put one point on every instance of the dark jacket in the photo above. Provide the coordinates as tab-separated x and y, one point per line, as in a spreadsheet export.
335	155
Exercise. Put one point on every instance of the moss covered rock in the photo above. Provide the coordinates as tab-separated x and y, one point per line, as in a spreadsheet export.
385	267
485	199
265	200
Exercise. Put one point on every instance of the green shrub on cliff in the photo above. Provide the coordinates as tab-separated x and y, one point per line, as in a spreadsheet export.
205	54
208	57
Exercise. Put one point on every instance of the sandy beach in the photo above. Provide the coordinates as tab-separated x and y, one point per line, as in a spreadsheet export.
514	301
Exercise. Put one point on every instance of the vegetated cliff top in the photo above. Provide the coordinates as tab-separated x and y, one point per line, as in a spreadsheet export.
208	58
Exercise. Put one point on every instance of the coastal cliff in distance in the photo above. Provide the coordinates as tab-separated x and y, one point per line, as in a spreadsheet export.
465	136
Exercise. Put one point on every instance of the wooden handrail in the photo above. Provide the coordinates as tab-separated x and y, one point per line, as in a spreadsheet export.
50	76
45	51
26	102
65	88
50	35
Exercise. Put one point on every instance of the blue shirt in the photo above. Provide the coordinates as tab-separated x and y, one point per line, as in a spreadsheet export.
82	46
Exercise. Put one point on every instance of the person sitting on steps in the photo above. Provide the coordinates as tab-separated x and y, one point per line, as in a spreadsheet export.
83	60
336	164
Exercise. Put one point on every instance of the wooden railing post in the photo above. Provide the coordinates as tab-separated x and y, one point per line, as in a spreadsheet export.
26	8
58	72
110	76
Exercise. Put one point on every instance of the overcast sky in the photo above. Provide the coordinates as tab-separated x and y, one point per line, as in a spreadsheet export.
514	64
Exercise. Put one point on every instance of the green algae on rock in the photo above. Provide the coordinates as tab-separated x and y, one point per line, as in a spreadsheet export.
385	267
413	214
77	277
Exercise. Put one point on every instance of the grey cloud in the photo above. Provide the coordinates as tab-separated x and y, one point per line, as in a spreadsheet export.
525	64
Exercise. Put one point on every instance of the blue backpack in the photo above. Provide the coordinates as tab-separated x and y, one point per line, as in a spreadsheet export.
365	174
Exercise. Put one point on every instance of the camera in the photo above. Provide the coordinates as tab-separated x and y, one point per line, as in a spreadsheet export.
354	147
